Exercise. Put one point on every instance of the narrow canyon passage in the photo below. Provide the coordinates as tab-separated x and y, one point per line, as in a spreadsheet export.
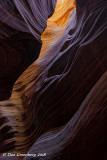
53	79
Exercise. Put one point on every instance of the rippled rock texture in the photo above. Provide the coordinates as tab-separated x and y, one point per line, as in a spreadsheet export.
21	25
58	104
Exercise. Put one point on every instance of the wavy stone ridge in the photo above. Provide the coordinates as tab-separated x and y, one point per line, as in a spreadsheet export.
59	105
21	26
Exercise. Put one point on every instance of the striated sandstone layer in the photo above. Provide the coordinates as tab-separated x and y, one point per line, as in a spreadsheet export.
58	104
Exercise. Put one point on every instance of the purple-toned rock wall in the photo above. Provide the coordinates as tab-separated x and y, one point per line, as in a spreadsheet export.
59	104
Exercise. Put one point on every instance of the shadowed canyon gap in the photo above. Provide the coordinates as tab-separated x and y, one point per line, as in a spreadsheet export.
53	79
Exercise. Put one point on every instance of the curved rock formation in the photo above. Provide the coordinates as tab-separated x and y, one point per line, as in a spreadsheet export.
21	25
58	105
84	136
